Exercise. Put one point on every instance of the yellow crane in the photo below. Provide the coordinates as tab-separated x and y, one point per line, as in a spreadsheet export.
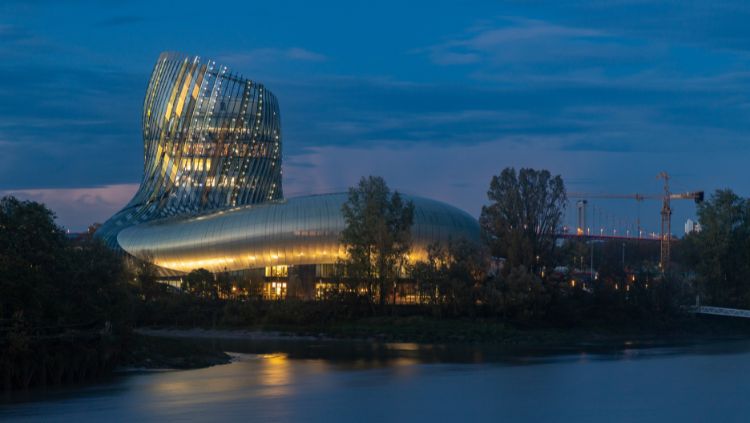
666	212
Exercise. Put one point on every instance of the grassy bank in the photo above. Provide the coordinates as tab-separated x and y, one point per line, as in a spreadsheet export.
148	352
430	330
428	325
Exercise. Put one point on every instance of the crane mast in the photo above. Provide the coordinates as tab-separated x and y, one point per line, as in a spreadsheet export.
665	238
666	225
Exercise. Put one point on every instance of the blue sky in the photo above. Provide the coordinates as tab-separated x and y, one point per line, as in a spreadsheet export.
435	96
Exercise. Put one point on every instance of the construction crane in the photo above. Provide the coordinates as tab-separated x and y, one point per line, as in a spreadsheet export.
666	212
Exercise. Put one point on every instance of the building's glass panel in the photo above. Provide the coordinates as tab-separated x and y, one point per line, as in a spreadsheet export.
196	135
212	196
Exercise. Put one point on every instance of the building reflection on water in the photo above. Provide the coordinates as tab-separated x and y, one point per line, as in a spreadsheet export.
329	381
269	375
275	375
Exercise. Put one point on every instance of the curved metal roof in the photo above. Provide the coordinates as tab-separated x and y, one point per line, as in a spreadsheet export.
297	231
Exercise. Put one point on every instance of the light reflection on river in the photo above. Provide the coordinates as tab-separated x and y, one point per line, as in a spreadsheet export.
345	382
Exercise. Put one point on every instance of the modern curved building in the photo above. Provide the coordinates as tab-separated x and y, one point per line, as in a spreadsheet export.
294	232
211	140
211	194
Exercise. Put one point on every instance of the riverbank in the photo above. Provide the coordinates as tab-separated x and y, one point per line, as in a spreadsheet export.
189	347
331	382
155	351
426	330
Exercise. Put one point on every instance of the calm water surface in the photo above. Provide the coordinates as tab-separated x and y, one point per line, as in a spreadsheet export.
357	382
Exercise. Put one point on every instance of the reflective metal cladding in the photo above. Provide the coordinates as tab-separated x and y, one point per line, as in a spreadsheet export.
211	194
212	139
298	231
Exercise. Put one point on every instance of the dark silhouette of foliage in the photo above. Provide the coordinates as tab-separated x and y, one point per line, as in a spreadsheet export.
377	235
720	253
519	295
52	286
147	277
51	280
200	282
524	213
452	276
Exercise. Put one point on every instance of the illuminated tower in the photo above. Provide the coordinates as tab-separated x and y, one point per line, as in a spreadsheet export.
212	140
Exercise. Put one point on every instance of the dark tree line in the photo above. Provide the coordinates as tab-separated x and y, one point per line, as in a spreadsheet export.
512	273
47	280
720	253
63	303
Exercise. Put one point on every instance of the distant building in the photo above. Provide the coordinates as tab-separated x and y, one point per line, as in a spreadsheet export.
691	226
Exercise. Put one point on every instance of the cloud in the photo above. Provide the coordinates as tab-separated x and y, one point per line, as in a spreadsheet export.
515	43
16	40
520	30
123	20
643	115
78	124
602	92
270	55
460	174
297	53
13	33
447	57
719	25
77	208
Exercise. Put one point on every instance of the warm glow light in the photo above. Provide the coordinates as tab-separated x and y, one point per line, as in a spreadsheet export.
188	265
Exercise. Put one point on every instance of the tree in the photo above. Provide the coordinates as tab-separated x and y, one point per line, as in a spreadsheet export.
722	249
146	275
524	213
97	289
452	275
429	275
377	234
49	280
519	295
200	282
32	260
224	284
52	286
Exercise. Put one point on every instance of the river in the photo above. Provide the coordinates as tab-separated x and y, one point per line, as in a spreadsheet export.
335	381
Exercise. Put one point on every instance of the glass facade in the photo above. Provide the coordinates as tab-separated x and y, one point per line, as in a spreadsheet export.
274	235
211	194
211	140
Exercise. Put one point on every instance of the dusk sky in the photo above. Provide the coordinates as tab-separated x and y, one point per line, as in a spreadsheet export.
436	97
